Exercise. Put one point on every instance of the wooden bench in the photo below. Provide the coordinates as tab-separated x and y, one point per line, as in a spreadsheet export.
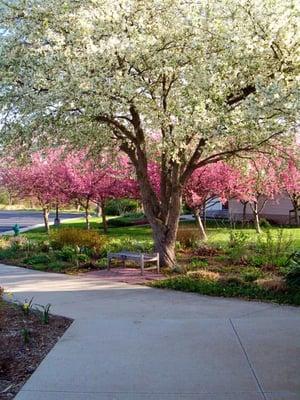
140	258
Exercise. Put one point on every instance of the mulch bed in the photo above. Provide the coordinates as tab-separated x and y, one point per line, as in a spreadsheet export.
18	360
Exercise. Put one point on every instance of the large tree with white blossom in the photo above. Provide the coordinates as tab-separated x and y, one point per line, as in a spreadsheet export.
186	83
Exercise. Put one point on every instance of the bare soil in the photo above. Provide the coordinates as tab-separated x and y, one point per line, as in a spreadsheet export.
24	341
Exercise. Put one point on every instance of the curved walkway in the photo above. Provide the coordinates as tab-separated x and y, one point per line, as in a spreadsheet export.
130	342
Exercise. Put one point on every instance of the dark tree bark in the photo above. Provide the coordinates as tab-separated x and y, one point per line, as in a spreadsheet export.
104	220
244	212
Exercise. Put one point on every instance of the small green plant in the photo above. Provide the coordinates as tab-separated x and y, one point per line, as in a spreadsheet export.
102	263
274	246
237	245
265	224
26	306
188	238
67	253
25	333
45	310
196	263
292	276
39	258
251	274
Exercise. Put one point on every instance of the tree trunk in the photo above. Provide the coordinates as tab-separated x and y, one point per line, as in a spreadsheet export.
256	217
203	235
297	220
98	210
87	215
244	213
164	244
56	220
46	219
204	214
104	221
295	203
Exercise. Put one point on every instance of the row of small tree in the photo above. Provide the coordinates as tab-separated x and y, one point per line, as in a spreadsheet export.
252	181
55	177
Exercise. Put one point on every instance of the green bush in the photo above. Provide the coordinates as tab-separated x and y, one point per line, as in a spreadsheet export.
237	246
274	247
264	223
292	276
67	253
128	220
40	258
121	206
126	243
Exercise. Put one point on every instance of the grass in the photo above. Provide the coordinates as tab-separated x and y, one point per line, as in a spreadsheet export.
134	232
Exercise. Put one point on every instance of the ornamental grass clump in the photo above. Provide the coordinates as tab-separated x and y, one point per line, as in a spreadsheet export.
77	238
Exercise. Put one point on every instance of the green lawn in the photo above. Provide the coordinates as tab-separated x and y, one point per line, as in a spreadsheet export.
134	232
216	235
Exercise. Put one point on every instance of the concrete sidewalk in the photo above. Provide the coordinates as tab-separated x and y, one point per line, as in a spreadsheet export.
132	342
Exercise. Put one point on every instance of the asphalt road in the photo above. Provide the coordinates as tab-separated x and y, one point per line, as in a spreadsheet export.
26	218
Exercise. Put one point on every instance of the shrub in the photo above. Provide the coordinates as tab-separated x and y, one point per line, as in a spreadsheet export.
126	243
67	253
188	238
102	263
128	220
55	266
264	223
19	243
237	245
39	258
274	247
292	278
121	206
251	274
77	238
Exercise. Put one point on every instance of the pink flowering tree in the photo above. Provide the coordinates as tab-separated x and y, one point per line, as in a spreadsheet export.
259	182
40	180
117	183
290	178
208	184
88	180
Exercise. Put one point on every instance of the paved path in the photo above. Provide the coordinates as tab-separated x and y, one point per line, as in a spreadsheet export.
26	218
136	343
